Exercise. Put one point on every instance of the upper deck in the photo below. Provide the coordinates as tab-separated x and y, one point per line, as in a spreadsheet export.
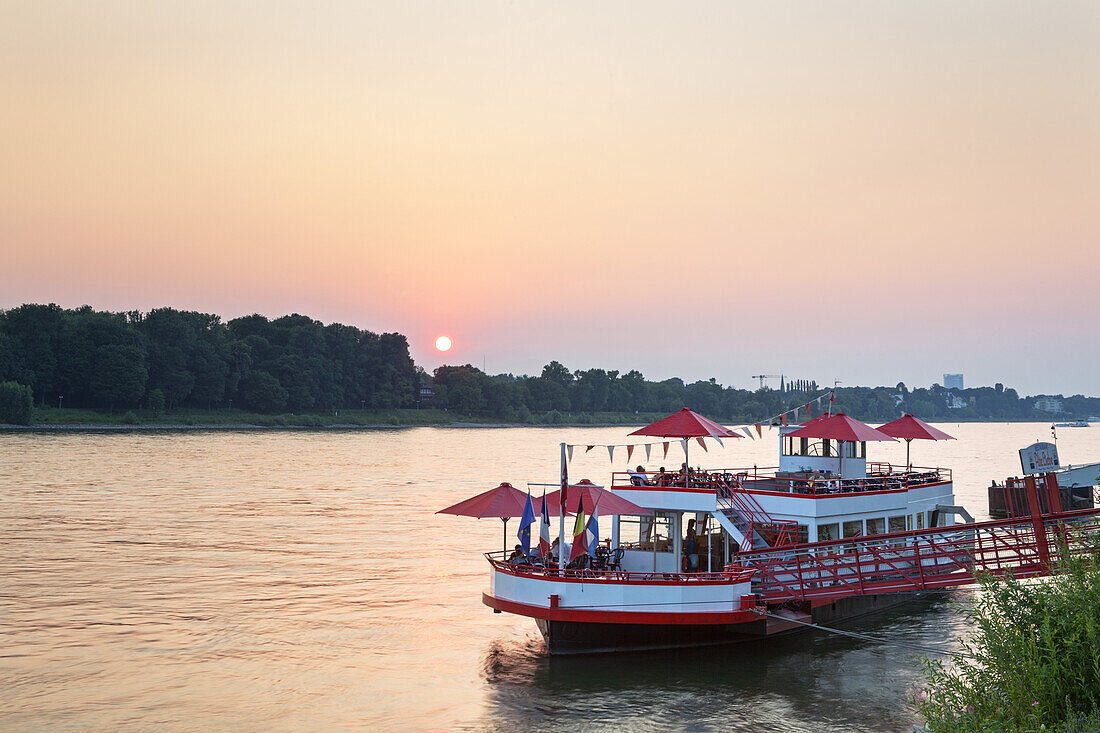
880	478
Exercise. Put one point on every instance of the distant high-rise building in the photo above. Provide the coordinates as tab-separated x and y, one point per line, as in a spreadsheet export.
953	381
1048	404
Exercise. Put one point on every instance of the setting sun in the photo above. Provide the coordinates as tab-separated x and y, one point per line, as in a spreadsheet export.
443	343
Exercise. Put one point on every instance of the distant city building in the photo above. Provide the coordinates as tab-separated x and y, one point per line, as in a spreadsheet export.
953	381
1048	404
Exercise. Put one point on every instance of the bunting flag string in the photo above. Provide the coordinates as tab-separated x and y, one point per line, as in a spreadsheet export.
781	419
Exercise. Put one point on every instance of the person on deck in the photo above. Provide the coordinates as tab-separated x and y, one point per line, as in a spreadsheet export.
554	546
517	557
689	541
638	477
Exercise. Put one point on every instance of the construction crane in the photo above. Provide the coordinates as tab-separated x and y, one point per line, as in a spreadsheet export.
762	377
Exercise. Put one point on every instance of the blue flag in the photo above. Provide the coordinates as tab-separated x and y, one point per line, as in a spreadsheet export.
525	523
593	533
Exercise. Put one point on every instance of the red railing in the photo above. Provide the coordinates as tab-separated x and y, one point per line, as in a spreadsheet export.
916	560
751	518
498	560
880	477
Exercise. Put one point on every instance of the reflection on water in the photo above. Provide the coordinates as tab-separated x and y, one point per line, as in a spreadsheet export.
808	681
288	581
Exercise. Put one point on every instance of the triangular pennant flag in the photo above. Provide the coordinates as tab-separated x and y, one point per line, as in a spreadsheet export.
748	433
832	397
796	414
684	445
611	453
783	418
588	448
629	452
569	451
648	447
759	430
807	409
702	443
719	440
666	449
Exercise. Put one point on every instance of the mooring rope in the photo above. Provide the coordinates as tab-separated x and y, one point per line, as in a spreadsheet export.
865	637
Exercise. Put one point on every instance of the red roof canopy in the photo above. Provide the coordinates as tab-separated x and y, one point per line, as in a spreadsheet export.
686	424
838	427
503	501
608	503
908	427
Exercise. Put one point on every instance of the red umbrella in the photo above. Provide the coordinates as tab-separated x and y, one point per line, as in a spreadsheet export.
686	424
593	495
505	502
910	428
838	427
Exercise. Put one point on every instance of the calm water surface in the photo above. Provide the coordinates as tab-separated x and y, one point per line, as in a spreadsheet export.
288	581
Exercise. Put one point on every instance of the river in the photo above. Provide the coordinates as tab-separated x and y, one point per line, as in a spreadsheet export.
301	580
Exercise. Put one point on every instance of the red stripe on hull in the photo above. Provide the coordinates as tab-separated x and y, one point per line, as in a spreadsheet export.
587	615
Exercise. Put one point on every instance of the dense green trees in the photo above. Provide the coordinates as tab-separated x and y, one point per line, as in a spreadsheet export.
16	403
468	390
168	358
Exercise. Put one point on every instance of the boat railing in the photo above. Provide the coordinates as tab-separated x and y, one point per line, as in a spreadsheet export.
919	559
550	571
752	519
880	477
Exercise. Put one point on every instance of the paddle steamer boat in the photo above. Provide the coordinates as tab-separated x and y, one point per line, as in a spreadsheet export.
824	535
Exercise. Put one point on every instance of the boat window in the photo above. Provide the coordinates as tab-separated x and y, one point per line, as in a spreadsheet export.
804	448
908	522
853	528
826	447
896	524
802	535
828	532
876	526
920	520
639	532
862	449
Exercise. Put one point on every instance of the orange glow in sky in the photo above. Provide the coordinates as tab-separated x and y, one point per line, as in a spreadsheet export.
864	192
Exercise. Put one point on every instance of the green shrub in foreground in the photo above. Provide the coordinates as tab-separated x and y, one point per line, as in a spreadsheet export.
1035	663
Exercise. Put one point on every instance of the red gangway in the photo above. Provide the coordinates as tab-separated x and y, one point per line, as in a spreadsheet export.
923	559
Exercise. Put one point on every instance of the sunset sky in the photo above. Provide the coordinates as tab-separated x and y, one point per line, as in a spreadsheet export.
862	191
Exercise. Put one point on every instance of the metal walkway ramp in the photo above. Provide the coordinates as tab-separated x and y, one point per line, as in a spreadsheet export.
923	559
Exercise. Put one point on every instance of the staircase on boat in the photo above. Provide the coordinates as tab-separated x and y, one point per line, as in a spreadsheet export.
748	523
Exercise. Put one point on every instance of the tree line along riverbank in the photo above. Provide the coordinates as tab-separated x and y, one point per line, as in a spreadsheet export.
169	366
